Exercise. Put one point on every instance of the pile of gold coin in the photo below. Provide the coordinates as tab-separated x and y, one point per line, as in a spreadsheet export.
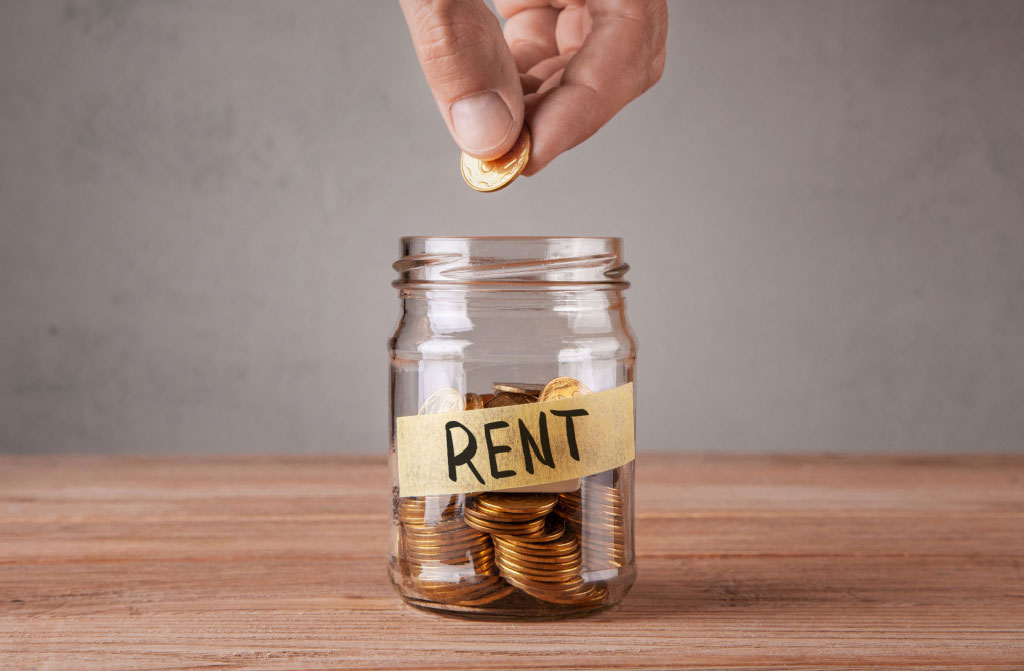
547	566
446	559
471	551
599	523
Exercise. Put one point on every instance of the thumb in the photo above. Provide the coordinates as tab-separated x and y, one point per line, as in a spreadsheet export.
470	71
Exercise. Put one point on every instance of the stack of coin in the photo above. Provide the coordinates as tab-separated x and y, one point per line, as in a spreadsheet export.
445	559
510	514
596	515
547	567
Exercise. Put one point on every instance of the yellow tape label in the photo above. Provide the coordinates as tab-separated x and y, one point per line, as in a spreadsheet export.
515	446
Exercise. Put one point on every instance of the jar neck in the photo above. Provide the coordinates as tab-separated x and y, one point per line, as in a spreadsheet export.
508	265
416	300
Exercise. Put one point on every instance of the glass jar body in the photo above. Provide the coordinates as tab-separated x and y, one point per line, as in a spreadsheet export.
455	553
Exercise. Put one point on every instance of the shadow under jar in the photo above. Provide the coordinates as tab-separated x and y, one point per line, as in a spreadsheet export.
511	454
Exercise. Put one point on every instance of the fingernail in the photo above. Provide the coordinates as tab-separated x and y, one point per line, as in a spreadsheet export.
482	122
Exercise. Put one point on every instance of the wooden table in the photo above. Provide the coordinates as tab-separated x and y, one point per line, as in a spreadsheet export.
277	563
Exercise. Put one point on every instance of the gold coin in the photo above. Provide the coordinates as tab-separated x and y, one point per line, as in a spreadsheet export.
552	532
453	574
485	595
473	401
504	530
537	504
512	561
443	541
550	578
507	529
443	503
471	589
597	492
439	527
589	508
539	561
603	528
454	591
450	539
538	588
603	564
500	593
506	398
478	595
566	574
593	550
493	175
527	388
561	546
446	571
442	401
454	566
599	521
563	387
597	488
506	561
604	544
566	588
421	522
589	551
539	557
489	517
526	544
587	596
499	515
565	592
449	556
426	552
422	538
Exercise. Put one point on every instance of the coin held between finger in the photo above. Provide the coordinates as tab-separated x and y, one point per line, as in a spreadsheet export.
492	175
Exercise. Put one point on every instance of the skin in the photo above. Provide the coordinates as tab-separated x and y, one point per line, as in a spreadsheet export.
565	67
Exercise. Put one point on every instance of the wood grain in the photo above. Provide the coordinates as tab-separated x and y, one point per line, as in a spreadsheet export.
745	562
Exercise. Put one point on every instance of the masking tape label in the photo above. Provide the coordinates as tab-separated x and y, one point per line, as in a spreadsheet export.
515	446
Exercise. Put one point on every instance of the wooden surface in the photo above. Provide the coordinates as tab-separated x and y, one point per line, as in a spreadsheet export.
277	563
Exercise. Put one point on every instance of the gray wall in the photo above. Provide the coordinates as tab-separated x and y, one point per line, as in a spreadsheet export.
823	203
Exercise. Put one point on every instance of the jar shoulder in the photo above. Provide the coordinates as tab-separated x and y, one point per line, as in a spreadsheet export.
522	336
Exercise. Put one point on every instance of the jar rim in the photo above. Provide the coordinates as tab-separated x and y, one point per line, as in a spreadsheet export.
506	262
511	237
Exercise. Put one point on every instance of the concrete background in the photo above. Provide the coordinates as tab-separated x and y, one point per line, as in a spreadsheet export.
823	203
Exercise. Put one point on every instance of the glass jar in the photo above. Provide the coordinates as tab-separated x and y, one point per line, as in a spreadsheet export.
511	454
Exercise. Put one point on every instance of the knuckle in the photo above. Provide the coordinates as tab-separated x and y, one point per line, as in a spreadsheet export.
439	43
655	37
447	29
656	69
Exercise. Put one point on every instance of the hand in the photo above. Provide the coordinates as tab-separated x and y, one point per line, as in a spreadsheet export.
565	66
